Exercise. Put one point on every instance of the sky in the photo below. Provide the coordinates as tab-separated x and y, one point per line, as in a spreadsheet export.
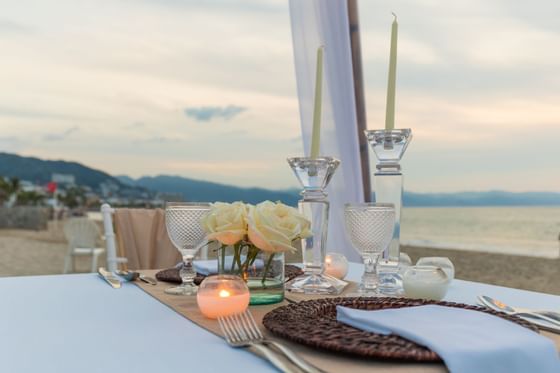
207	90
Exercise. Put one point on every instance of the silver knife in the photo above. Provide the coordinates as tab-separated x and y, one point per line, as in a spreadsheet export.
147	279
541	324
109	277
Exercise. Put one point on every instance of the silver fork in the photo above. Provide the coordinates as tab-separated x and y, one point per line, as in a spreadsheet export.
236	338
246	327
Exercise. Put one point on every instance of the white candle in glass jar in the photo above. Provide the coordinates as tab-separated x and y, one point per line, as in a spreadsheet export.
222	295
425	282
336	265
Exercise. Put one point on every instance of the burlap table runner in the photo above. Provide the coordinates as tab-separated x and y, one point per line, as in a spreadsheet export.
326	361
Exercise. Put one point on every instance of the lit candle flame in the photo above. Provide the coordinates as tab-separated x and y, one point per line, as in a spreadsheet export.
224	293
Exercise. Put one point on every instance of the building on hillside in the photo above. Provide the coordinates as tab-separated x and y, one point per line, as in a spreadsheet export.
63	179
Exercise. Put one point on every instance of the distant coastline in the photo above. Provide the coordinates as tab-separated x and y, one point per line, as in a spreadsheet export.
40	172
479	199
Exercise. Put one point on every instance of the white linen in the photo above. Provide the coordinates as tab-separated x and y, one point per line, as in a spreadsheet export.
325	22
71	323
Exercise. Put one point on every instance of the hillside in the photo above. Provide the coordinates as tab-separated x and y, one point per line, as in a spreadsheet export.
40	171
196	190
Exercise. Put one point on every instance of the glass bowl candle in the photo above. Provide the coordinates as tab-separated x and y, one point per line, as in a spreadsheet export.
439	261
336	265
222	295
425	282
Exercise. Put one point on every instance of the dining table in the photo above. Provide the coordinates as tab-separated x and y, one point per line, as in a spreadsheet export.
78	323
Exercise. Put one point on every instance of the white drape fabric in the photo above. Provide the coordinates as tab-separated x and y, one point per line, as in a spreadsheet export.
325	22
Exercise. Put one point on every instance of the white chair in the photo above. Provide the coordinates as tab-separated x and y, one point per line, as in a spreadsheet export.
112	259
82	235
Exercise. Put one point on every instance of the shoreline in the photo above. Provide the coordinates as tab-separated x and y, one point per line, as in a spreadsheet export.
540	252
25	253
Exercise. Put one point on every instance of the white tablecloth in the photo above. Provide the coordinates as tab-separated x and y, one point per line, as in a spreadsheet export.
77	323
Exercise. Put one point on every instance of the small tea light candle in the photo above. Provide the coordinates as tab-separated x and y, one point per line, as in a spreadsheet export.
439	261
336	265
222	295
425	282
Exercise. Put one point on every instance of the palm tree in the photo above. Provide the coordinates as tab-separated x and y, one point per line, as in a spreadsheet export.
9	190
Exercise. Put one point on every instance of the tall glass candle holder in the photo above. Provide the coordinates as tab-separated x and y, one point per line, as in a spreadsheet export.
314	174
389	147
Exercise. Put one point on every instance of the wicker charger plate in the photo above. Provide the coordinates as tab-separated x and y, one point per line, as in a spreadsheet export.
172	274
313	323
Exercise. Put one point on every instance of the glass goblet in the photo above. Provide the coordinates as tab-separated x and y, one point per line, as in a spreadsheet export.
182	220
369	227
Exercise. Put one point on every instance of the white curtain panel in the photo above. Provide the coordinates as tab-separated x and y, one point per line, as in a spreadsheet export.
325	22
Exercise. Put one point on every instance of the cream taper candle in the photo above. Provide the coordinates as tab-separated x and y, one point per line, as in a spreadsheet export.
316	134
391	85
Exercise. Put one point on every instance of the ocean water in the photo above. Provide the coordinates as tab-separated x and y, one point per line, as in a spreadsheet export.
532	231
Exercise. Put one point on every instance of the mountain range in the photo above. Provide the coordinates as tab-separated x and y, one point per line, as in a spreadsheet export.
197	190
40	171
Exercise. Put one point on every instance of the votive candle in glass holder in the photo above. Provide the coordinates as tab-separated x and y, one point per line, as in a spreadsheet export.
336	265
439	261
425	282
222	295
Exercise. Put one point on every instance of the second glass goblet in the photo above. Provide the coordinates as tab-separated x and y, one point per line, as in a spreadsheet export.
182	220
369	227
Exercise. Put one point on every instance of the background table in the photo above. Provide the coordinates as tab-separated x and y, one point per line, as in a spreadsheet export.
71	323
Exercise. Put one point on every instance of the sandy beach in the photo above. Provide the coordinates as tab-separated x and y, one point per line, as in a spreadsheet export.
521	272
30	253
27	253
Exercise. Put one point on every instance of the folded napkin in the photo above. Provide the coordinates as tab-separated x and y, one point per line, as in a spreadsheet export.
467	341
210	267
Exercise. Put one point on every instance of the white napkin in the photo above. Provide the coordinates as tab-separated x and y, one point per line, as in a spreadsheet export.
468	341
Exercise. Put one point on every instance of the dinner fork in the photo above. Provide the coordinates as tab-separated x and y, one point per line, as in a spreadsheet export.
245	327
236	339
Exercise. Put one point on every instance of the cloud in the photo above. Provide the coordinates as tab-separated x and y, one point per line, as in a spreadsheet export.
61	136
156	140
207	113
10	27
136	125
10	143
24	113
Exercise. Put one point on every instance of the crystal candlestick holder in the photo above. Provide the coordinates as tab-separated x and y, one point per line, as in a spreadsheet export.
389	147
314	174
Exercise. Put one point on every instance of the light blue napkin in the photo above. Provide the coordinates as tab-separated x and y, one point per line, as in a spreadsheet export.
468	341
210	267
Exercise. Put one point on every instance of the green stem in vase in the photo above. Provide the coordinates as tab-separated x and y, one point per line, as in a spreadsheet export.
247	258
234	261
267	268
237	258
254	253
223	248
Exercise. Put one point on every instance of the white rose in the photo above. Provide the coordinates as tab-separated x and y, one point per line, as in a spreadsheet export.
273	227
226	222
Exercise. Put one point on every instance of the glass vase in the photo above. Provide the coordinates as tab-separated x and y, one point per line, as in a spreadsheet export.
263	272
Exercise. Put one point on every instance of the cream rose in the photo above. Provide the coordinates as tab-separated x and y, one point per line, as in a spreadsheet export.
273	227
226	222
